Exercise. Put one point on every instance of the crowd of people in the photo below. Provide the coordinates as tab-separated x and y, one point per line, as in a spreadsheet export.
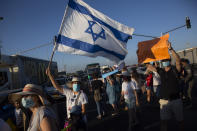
166	84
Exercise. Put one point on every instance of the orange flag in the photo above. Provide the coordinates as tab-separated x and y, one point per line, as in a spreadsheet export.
153	50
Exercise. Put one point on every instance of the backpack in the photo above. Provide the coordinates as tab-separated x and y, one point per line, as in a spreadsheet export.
97	95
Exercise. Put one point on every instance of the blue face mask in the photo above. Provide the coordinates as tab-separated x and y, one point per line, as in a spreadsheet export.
27	102
165	63
76	87
151	62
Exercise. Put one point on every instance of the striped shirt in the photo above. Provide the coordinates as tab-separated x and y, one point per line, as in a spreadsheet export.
19	117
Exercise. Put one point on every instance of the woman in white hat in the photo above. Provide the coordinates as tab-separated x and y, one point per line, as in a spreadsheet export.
43	118
74	96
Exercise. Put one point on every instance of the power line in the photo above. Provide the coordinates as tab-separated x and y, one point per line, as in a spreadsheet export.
43	45
145	35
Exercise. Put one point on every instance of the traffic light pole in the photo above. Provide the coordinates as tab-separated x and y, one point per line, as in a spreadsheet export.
188	25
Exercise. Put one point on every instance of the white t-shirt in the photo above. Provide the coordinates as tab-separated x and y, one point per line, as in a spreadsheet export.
36	119
127	89
156	79
71	98
134	84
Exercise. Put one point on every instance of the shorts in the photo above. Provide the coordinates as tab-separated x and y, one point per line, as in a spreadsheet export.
149	88
130	103
170	108
156	90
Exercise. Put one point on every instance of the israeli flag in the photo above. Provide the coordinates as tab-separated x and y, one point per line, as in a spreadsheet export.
85	31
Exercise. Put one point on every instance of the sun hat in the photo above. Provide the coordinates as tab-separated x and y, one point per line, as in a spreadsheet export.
32	89
74	79
125	73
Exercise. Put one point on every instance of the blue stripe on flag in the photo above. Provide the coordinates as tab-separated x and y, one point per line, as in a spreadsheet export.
110	73
85	46
118	34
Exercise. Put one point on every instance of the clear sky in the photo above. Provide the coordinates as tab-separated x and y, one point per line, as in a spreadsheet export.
30	23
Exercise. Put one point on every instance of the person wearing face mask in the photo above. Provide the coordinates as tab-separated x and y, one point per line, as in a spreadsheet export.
170	101
43	118
73	97
129	96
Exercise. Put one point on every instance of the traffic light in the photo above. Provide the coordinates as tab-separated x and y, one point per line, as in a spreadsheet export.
188	24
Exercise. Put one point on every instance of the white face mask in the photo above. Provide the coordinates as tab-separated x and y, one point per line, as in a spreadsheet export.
27	102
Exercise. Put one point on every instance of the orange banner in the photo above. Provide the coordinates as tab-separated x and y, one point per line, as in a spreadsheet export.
153	50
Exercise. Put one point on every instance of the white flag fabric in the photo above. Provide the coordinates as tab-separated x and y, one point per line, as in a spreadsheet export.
85	31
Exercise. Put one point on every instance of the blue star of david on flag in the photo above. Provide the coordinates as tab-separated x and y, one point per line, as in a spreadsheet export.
88	32
95	36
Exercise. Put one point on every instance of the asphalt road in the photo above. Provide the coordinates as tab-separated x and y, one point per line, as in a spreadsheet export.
149	120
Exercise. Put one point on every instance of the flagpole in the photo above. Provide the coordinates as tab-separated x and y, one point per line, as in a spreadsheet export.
63	18
54	48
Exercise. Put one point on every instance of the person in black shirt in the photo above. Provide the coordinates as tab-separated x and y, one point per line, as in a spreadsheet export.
170	102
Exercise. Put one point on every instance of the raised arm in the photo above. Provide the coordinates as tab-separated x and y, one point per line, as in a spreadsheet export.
151	68
111	82
54	83
175	56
